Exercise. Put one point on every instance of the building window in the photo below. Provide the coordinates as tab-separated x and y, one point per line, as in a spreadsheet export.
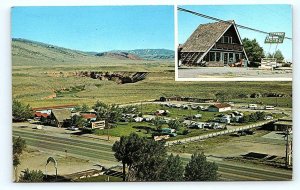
222	39
230	60
226	39
218	56
212	56
237	57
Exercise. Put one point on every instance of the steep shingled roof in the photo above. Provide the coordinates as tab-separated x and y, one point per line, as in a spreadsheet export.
61	114
205	36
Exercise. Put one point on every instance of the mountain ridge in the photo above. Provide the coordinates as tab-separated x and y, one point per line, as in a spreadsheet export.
135	54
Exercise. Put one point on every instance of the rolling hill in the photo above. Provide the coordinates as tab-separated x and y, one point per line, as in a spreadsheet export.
146	54
27	52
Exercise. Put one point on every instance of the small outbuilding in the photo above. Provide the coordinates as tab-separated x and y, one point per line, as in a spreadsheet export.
222	107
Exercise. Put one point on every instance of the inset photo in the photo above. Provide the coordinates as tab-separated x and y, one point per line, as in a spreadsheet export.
234	43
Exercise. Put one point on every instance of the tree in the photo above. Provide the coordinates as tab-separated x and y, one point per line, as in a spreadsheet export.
260	115
149	165
20	111
130	109
199	169
144	158
175	124
19	145
253	50
278	55
101	110
158	122
79	121
112	113
253	117
128	151
32	176
173	169
85	108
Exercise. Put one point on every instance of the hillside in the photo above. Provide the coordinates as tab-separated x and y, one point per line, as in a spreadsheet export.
27	52
146	54
119	55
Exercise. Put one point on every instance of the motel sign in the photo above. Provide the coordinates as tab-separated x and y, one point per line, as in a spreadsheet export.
275	38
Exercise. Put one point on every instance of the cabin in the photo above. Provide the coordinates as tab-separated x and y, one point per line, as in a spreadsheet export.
213	45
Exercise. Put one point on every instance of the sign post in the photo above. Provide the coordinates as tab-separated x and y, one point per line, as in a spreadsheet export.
275	38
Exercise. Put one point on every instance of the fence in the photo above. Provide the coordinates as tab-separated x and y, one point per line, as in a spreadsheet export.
202	137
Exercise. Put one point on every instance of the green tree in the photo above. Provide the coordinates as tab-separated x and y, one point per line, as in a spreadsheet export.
19	145
85	108
279	56
128	150
16	163
101	110
78	121
149	165
253	117
130	109
253	50
111	113
245	119
158	122
199	169
260	116
114	113
32	176
173	169
20	111
175	124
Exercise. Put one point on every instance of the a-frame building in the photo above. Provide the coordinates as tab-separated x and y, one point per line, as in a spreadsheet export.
213	44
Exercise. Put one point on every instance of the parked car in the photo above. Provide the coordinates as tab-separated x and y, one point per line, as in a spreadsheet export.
72	128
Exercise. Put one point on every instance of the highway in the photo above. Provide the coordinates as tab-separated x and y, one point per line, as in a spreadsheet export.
101	152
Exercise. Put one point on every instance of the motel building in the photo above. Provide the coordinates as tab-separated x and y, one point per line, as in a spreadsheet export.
213	45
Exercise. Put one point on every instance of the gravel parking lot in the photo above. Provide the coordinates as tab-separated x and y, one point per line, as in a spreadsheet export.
232	72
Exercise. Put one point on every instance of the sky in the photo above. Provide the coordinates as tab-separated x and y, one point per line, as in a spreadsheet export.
269	18
99	28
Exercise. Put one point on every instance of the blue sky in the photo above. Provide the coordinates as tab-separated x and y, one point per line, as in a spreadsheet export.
269	18
97	28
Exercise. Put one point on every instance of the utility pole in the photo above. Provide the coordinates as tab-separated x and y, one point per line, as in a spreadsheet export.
107	129
288	149
141	108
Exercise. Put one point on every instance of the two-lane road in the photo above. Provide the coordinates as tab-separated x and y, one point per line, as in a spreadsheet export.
101	152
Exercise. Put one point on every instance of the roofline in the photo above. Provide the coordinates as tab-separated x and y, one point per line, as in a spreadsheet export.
204	54
239	37
240	41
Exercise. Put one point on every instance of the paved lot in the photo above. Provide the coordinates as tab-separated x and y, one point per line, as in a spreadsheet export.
232	72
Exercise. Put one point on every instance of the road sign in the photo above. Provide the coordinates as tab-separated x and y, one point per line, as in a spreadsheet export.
275	38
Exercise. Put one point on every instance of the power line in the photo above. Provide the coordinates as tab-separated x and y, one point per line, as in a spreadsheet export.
220	20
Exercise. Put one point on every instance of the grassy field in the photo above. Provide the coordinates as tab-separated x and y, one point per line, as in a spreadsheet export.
38	72
211	143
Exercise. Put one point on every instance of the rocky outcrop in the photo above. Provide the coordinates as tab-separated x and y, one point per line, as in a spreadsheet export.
118	77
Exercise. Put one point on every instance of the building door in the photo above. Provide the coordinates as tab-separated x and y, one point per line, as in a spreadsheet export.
225	58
